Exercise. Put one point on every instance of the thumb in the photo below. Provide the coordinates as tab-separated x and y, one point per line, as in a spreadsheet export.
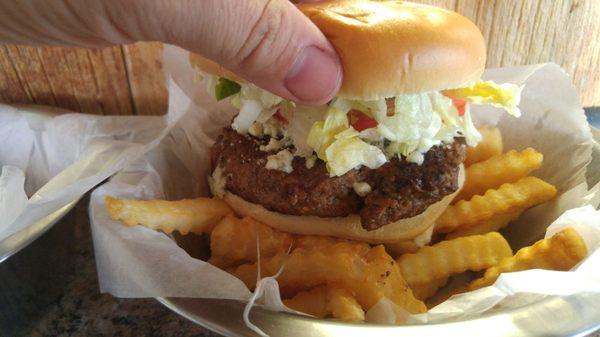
268	42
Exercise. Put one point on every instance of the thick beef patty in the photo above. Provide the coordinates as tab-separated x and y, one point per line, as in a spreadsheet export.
399	189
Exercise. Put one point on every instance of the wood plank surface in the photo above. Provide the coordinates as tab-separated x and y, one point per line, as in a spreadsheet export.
146	77
129	79
566	32
87	80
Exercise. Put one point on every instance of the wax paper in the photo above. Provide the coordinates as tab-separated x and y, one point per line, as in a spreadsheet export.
168	157
49	161
553	123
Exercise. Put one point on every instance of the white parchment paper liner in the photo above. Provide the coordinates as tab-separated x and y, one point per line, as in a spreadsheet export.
57	160
168	157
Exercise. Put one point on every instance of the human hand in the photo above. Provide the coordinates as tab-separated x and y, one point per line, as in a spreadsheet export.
268	42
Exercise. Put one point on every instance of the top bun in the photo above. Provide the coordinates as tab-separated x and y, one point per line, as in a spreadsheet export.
389	48
213	68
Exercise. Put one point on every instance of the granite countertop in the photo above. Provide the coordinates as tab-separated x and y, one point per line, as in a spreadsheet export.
51	289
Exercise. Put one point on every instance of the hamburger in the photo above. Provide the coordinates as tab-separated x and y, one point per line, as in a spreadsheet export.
381	161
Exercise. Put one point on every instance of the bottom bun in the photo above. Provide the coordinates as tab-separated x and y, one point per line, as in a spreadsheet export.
397	248
348	227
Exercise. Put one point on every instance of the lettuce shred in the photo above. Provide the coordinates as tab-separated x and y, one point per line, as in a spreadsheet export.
407	129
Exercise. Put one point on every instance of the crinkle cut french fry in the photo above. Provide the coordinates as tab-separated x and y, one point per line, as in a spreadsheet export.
248	272
318	242
344	306
562	251
383	279
188	215
234	240
456	284
524	193
489	146
450	257
327	301
493	224
368	273
396	249
312	302
444	297
270	266
423	291
495	171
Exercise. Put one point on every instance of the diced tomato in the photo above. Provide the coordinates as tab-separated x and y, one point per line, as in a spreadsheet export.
278	116
391	106
362	121
459	103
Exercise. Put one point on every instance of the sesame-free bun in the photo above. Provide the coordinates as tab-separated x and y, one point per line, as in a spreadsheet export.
213	68
345	227
389	48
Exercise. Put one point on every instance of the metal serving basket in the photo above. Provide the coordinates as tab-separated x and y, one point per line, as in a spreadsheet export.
561	317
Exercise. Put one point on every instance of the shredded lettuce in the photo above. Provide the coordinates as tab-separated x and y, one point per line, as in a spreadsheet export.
412	117
322	133
300	122
472	135
254	93
414	124
254	104
249	111
505	96
348	152
339	145
418	122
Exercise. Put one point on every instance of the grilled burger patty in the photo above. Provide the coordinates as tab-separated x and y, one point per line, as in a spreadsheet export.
399	189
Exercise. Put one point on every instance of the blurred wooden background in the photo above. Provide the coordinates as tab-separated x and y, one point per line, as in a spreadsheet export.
129	80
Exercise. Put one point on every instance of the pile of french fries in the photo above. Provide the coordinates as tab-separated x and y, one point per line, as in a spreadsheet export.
335	278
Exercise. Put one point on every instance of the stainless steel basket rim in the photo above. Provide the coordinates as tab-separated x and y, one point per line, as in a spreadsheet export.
310	326
21	239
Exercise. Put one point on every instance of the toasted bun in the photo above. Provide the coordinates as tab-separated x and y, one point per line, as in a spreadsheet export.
212	67
343	227
389	48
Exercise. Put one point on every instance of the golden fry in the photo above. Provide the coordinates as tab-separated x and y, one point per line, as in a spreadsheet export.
449	257
344	306
248	273
368	273
424	291
493	224
395	249
312	302
327	301
188	215
495	171
441	298
317	242
233	241
524	193
456	284
489	146
382	278
559	252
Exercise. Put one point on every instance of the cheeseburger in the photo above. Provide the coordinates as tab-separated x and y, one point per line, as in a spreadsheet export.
381	161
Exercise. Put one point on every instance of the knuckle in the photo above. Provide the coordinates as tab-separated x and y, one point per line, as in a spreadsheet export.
265	40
